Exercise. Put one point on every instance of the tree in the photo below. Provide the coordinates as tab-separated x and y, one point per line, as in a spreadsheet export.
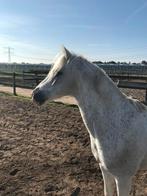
111	62
98	62
144	62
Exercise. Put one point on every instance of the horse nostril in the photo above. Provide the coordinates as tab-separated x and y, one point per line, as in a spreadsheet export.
38	96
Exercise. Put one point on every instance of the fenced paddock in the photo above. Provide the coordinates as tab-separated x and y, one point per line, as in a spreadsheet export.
41	155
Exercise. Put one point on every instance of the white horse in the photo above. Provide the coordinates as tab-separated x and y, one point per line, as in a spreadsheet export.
117	124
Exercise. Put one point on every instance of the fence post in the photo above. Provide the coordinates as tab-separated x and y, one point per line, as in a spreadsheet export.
36	78
14	84
145	96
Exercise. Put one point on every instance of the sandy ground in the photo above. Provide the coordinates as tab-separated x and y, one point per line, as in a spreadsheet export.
46	151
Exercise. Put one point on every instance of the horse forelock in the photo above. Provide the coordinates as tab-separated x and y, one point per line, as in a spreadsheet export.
61	59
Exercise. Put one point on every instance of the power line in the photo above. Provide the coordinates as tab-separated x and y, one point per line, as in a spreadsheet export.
9	52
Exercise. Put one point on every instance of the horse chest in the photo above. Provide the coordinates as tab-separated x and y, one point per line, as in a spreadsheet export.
101	153
107	138
109	154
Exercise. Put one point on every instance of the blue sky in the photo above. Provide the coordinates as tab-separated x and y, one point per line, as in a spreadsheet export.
98	29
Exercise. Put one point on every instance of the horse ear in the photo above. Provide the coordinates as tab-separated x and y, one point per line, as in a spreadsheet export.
66	53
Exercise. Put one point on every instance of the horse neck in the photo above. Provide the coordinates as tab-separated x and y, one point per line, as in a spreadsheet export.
98	90
98	101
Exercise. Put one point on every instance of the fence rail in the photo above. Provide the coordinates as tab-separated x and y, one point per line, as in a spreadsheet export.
127	79
22	80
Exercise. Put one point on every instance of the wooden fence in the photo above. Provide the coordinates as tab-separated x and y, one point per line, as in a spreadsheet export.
23	80
31	79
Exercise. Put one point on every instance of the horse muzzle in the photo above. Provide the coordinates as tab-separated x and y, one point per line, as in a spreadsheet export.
38	96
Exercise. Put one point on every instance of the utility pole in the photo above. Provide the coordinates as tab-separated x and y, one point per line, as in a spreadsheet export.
9	52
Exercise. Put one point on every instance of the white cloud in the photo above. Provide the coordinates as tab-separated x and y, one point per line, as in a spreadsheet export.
136	12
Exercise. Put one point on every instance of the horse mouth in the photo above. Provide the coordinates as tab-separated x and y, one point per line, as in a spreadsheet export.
39	98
